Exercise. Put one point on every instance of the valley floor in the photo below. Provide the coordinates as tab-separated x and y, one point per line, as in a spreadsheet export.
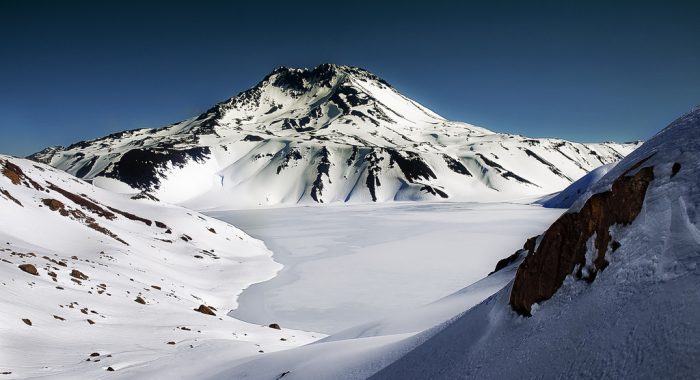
349	264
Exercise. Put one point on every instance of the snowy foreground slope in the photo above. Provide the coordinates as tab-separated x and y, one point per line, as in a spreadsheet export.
609	291
620	301
330	134
94	283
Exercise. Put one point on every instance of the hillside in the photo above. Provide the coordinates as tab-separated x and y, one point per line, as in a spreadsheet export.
94	282
609	290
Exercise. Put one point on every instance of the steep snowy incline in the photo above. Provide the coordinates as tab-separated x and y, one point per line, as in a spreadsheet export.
322	135
609	291
573	192
94	282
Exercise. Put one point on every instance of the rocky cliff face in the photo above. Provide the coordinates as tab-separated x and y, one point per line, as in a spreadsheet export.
582	242
578	242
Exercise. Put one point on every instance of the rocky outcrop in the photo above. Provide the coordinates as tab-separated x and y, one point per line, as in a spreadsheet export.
563	248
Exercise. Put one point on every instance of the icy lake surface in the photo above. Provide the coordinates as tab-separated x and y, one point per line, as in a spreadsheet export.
348	264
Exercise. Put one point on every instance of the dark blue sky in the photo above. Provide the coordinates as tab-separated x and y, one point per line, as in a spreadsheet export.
585	71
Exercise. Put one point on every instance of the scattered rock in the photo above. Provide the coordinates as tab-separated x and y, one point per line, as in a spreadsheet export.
59	318
27	321
275	326
212	230
94	354
78	274
29	268
155	287
110	369
140	300
171	342
204	309
90	321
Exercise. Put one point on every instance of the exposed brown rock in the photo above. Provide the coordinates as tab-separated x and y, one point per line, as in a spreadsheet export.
59	318
563	246
212	230
56	205
204	309
9	196
15	174
90	321
110	369
83	202
274	326
130	216
27	321
29	268
140	300
53	204
78	274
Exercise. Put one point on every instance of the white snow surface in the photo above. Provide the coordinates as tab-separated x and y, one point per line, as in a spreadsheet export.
325	135
346	265
118	245
568	196
638	319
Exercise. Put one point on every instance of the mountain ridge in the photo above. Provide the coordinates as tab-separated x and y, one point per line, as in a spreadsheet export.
329	134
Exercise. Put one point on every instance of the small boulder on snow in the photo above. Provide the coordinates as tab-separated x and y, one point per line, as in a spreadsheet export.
204	309
29	268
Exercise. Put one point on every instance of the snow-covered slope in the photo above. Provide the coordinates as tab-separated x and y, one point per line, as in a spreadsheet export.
611	287
330	134
92	281
573	192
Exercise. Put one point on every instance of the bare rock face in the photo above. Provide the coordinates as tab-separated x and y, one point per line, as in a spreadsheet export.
204	309
562	250
29	268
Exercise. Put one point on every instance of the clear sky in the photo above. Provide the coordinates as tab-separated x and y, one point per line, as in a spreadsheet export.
581	70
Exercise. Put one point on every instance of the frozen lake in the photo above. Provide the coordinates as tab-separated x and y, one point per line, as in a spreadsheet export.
348	264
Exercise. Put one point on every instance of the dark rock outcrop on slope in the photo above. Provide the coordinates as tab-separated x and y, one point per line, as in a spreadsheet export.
562	250
528	249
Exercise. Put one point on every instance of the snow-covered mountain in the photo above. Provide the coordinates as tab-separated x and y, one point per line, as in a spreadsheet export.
329	134
92	281
610	290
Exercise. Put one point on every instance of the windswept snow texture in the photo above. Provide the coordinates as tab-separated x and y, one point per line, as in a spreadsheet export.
324	135
91	280
637	319
573	192
345	265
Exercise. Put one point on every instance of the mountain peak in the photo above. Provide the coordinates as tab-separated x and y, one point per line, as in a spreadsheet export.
330	133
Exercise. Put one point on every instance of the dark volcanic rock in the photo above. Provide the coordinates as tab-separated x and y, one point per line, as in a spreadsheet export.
139	168
563	246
